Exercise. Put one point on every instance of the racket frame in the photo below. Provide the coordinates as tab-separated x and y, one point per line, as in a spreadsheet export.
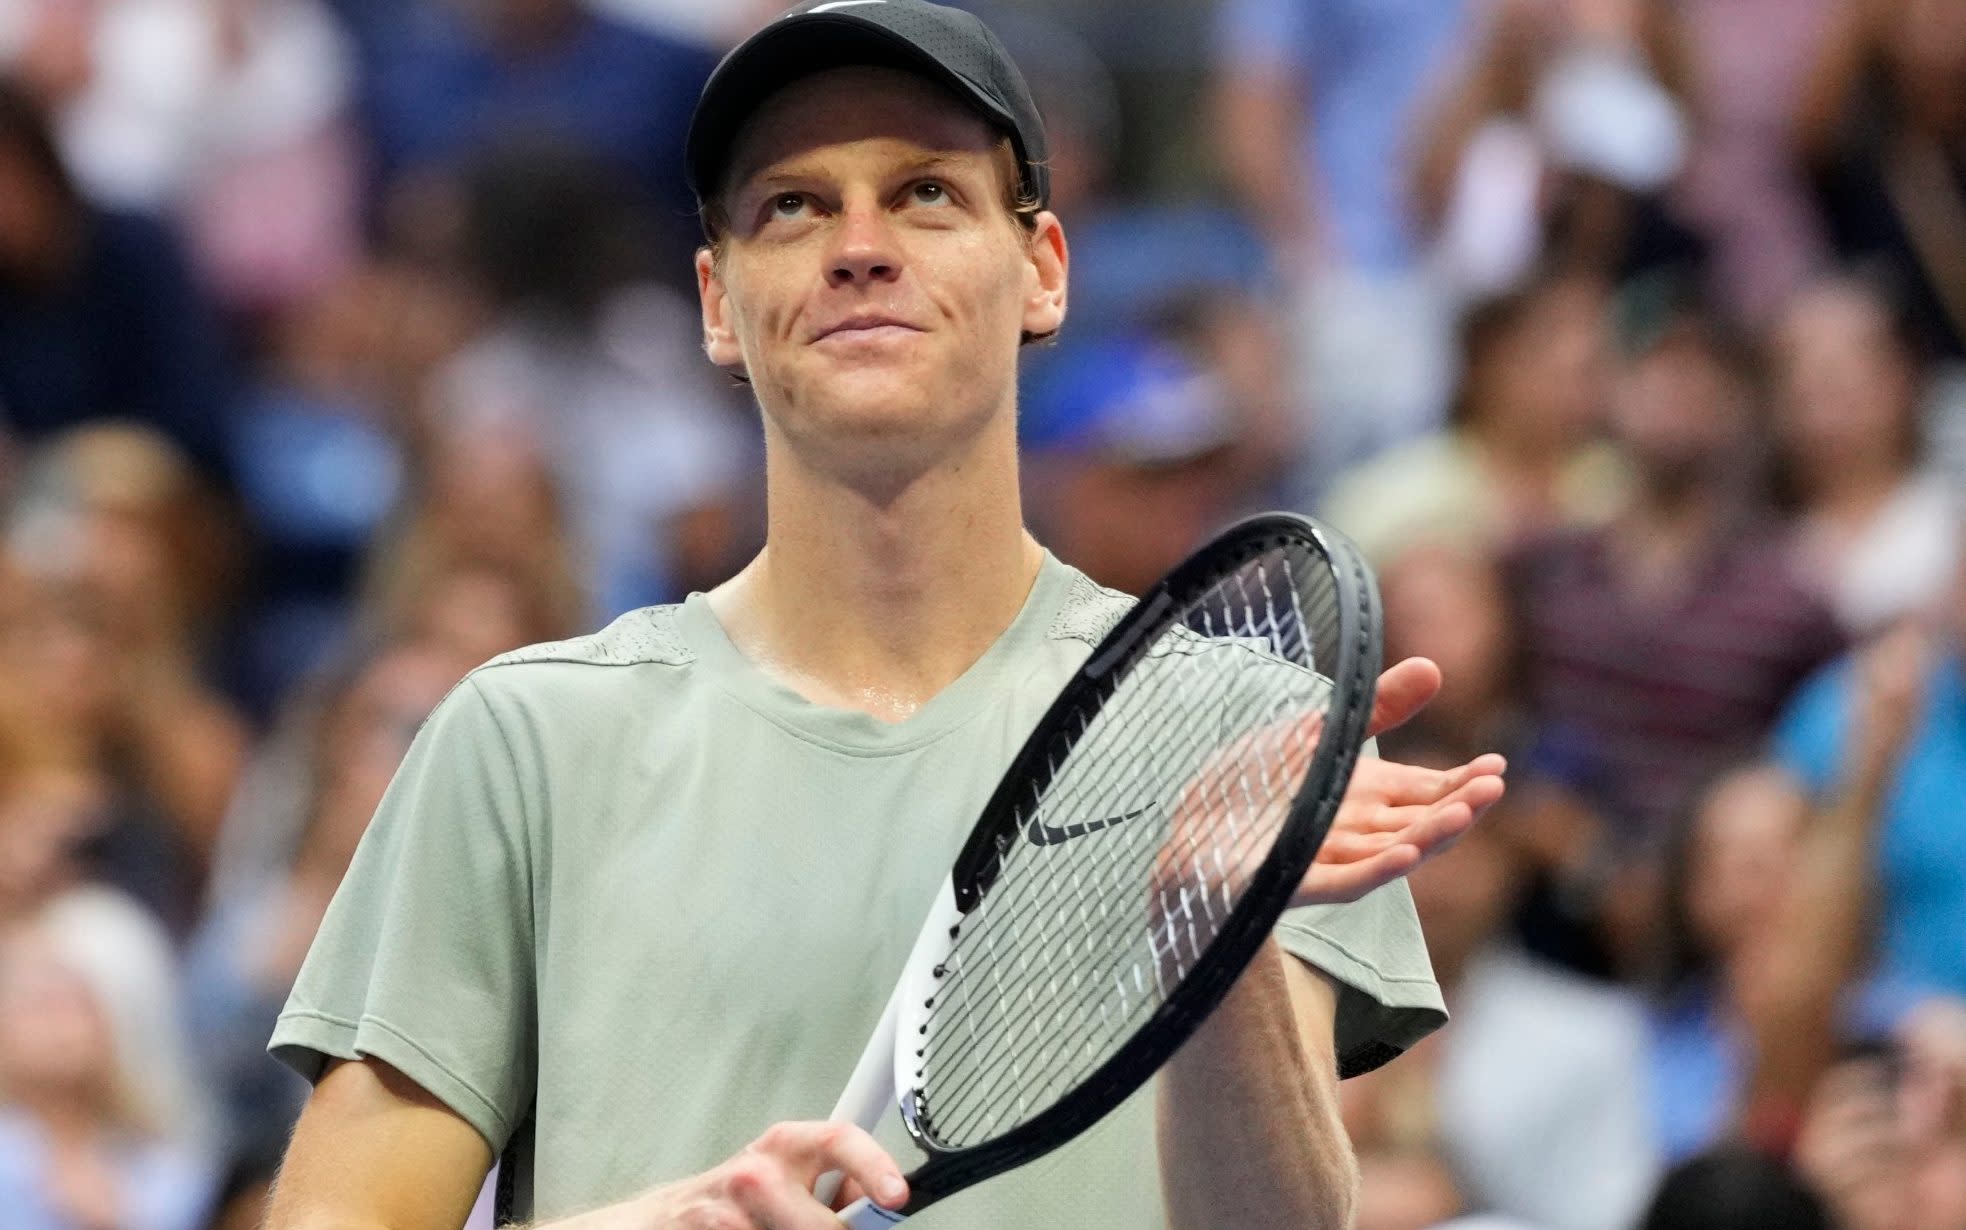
887	1069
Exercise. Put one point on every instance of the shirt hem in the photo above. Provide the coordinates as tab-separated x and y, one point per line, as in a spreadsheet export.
305	1040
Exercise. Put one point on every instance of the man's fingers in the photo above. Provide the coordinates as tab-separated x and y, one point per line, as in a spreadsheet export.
771	1200
809	1150
1332	883
1479	793
1402	785
849	1192
1352	847
1404	689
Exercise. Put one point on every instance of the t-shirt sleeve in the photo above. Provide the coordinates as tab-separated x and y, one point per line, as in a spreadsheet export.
425	957
1374	950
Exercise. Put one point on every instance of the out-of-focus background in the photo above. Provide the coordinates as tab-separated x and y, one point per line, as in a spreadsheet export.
347	343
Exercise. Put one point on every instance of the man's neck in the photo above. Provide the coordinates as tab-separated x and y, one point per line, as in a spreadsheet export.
878	602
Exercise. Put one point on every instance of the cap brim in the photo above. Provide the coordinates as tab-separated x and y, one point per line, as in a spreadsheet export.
797	48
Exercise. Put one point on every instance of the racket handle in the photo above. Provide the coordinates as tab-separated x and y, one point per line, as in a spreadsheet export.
828	1187
866	1215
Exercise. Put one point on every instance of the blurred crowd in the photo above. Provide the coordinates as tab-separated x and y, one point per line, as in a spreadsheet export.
345	344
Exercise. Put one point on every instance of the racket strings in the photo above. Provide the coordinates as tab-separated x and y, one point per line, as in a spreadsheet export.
1162	952
1102	902
1113	867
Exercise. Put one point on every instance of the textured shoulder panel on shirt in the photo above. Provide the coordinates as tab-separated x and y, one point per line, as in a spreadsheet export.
1090	611
645	635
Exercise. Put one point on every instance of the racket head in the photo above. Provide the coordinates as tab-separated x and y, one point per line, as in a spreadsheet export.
1279	578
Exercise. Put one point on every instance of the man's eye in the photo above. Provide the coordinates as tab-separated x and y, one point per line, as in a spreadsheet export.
928	192
788	205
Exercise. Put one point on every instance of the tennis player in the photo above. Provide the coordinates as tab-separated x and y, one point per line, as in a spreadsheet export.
634	901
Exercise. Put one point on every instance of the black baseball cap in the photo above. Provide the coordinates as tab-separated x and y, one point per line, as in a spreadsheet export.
946	45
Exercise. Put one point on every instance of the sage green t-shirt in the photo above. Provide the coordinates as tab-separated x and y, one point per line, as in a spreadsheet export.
634	887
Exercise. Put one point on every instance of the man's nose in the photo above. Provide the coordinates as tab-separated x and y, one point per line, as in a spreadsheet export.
864	248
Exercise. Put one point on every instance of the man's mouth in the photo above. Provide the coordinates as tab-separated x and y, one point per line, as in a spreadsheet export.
867	328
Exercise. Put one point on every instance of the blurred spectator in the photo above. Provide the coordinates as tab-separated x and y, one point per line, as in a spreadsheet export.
1558	144
1535	1091
1408	1189
1520	454
1448	603
243	961
1878	531
476	564
712	25
111	524
1734	1189
319	461
1661	645
100	1127
1315	116
98	314
1883	130
1885	1137
1079	99
489	503
1726	879
598	371
231	115
1778	1011
1743	190
51	810
1921	881
1132	455
476	609
446	80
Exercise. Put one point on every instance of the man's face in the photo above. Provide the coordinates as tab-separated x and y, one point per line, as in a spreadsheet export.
1679	412
1845	393
872	284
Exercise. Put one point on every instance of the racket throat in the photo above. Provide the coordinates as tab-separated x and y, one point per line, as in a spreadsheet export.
915	995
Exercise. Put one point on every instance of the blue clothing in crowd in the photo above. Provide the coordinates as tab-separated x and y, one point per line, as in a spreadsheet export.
1921	893
127	335
1698	1066
439	91
162	1187
1369	68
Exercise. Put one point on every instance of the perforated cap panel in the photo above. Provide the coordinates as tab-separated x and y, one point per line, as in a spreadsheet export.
944	44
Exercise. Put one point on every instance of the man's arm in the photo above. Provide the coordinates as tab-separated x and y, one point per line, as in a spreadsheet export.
375	1151
1249	1128
1250	1134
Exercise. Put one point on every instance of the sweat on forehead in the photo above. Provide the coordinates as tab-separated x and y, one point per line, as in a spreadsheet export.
856	103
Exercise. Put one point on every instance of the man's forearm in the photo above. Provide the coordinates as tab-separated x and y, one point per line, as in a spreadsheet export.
1250	1134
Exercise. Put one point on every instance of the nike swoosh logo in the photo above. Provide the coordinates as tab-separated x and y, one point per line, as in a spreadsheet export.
1041	834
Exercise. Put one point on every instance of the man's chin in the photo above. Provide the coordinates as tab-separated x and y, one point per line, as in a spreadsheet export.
876	399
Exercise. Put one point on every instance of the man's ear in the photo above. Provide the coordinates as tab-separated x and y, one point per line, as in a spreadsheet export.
719	331
1045	289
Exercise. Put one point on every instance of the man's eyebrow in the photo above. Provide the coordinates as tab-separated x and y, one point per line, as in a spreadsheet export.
945	163
765	179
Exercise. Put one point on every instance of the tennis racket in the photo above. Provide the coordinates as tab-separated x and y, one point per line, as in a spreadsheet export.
1132	860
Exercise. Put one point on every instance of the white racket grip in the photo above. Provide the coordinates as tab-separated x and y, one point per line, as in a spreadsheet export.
873	1090
870	1090
868	1093
866	1215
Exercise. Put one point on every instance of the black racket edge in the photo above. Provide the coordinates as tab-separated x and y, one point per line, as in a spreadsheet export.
1255	913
